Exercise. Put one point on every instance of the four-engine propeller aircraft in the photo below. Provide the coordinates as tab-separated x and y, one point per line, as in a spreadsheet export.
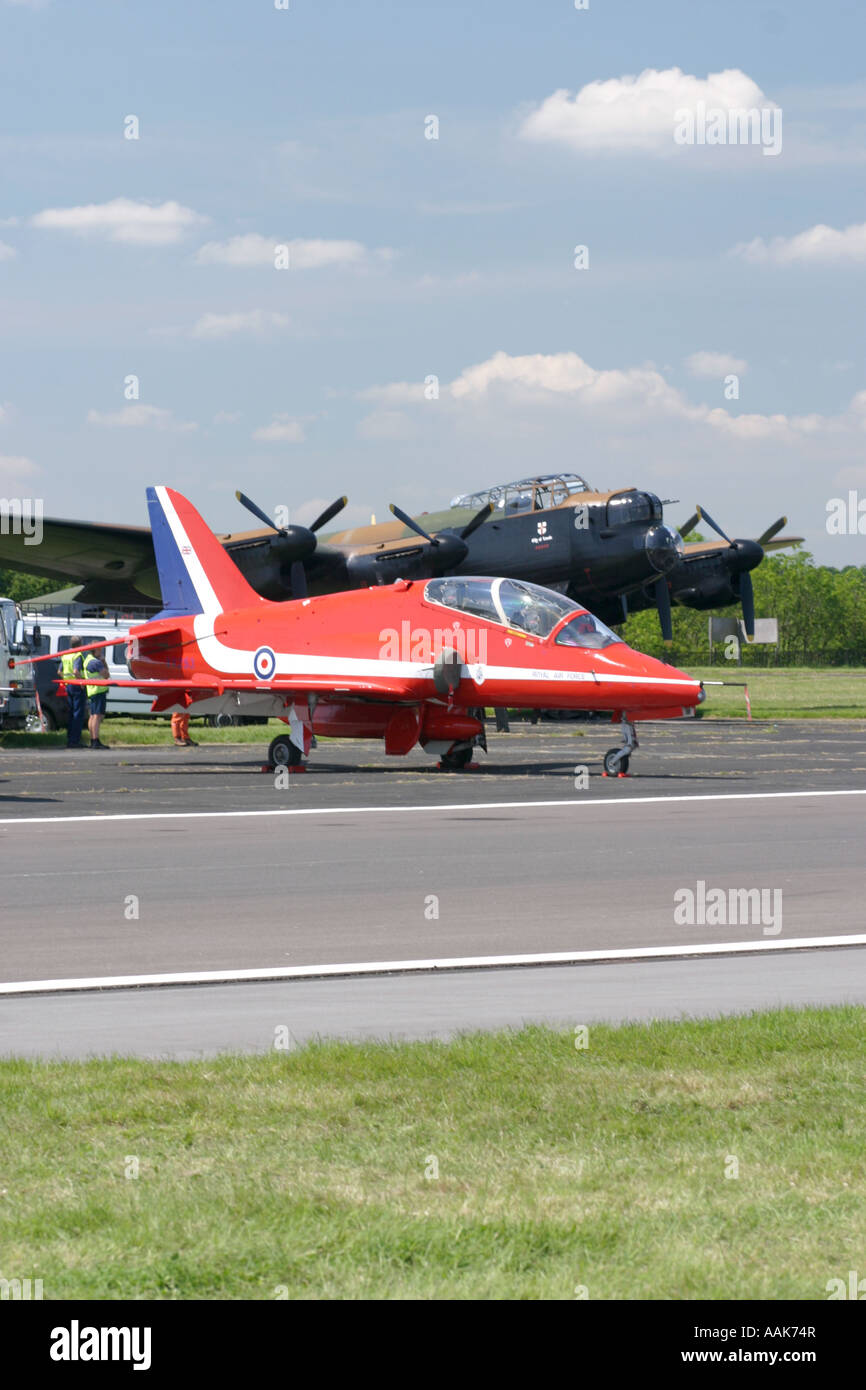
411	662
611	551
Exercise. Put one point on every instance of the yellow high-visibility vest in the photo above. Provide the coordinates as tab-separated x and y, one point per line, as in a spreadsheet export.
93	689
67	665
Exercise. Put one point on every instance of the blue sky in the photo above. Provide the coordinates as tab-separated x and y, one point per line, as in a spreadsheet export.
412	257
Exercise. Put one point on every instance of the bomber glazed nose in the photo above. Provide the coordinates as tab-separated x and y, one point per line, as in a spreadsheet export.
664	548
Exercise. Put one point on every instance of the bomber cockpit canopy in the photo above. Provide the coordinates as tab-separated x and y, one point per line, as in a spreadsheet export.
527	494
517	604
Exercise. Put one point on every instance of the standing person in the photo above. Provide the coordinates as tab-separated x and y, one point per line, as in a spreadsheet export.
72	668
97	695
180	731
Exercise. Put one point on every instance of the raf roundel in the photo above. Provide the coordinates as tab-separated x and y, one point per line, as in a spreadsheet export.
264	663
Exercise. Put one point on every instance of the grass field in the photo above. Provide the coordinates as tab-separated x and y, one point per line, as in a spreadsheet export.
509	1165
793	693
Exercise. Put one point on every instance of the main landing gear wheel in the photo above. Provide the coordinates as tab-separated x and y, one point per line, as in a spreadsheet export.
457	760
612	767
284	753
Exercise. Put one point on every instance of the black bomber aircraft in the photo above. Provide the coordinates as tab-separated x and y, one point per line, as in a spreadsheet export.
611	551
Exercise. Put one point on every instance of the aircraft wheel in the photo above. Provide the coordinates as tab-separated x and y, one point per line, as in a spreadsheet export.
612	768
284	753
456	760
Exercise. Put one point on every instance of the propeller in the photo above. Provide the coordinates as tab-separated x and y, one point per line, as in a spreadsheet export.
450	545
705	516
750	554
301	539
773	530
747	599
690	525
412	524
662	596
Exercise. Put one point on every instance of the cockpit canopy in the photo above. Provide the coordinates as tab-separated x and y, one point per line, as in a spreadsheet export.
526	495
527	607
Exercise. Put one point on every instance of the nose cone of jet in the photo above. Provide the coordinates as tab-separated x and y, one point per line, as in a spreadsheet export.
664	548
651	684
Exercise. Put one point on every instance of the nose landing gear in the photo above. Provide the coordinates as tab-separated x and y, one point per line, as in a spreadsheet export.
616	760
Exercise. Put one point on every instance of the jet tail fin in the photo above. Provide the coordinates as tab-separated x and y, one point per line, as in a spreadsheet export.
196	575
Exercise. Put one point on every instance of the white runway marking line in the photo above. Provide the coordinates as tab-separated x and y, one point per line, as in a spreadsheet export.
448	806
414	967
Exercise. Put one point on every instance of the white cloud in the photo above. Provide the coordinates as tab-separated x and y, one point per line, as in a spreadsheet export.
627	114
819	245
14	468
386	424
252	249
212	327
123	219
141	417
395	393
714	364
283	429
540	389
7	252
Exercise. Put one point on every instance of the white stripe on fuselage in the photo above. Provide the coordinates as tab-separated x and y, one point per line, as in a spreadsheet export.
234	661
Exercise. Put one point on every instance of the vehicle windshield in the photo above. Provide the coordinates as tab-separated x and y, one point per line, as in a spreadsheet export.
7	621
584	630
511	602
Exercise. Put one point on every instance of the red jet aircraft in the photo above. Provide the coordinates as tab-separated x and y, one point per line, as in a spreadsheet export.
412	662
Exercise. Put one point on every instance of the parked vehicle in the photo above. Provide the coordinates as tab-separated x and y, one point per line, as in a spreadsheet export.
51	630
17	693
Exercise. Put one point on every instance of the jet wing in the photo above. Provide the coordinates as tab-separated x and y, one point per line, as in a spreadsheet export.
300	685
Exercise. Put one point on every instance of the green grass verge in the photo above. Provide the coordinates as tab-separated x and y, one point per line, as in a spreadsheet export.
311	1169
794	692
776	693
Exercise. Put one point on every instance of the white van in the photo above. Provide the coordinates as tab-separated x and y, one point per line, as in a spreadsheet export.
53	631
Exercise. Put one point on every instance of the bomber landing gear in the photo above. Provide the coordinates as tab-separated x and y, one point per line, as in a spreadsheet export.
616	760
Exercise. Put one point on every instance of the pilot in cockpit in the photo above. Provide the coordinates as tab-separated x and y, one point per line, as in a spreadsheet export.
450	594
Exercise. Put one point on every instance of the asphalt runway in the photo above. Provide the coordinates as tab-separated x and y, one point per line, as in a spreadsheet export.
143	862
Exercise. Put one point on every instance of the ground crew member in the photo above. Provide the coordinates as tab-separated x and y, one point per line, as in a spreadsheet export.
71	668
180	731
96	694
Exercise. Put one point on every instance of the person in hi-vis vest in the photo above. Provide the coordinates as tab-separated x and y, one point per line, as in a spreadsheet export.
97	695
71	668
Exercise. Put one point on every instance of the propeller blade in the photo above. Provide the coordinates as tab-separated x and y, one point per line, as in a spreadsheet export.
413	525
773	530
689	526
328	513
663	604
257	511
747	599
299	580
476	521
705	516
